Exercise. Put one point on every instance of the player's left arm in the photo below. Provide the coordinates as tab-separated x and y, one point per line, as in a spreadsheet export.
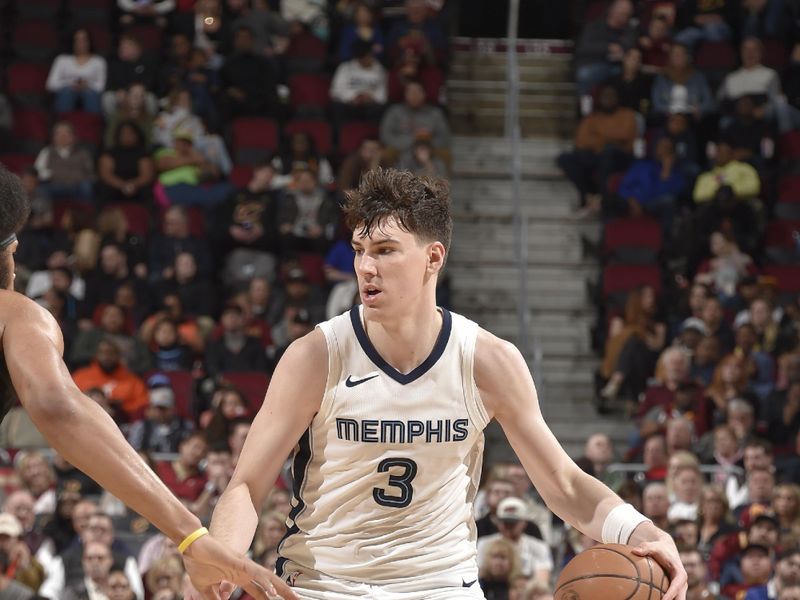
509	395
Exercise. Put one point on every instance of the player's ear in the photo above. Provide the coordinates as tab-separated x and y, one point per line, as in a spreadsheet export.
436	255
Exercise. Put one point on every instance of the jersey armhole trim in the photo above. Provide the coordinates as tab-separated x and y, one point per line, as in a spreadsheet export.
334	363
471	388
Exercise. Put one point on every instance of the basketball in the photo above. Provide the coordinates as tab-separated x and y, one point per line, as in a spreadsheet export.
611	572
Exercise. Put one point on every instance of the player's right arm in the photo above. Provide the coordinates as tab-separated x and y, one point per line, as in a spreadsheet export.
293	398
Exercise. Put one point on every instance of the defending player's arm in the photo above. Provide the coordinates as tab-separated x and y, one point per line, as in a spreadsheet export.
292	400
508	392
87	437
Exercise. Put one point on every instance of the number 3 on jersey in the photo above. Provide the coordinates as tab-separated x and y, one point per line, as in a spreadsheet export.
401	482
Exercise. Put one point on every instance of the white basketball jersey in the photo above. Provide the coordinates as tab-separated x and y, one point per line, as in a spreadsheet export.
386	474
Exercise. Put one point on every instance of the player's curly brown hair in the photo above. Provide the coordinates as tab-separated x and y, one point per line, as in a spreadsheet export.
421	205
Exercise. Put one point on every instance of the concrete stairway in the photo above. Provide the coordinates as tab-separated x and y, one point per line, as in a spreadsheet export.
482	263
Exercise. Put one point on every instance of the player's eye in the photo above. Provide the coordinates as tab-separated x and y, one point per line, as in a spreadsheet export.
358	250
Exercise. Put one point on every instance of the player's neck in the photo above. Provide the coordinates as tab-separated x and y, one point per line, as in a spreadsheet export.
407	341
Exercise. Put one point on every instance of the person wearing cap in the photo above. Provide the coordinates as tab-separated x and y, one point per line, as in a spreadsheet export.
234	350
162	429
758	525
755	564
512	517
785	576
691	331
23	567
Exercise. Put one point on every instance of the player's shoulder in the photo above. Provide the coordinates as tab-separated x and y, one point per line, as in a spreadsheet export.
16	308
491	351
307	352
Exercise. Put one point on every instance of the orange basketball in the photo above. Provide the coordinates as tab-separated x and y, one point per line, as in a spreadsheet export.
611	572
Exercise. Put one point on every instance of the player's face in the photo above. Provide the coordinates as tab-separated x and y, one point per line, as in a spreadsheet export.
393	266
7	267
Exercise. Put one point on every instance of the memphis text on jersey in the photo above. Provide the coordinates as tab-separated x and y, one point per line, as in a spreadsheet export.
382	431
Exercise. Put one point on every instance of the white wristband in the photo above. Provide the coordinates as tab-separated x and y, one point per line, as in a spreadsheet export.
620	523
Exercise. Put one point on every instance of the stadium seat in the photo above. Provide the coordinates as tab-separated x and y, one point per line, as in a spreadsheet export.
137	216
618	280
776	55
26	84
314	267
715	55
253	139
789	145
240	175
353	133
17	163
787	276
632	240
38	9
60	208
319	130
305	53
595	10
309	94
101	36
183	386
88	127
252	384
151	37
89	11
780	242
788	205
30	131
35	41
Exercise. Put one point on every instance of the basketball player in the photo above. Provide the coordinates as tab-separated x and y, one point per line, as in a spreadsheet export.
31	365
388	403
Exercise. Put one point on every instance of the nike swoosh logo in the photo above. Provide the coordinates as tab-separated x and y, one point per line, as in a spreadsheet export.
350	382
468	583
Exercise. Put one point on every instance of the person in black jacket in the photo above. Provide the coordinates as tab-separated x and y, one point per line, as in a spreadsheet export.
234	350
249	82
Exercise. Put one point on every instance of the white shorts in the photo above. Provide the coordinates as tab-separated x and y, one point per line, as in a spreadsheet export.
309	584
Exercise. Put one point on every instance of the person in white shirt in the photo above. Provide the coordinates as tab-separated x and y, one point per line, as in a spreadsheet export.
79	77
535	557
359	88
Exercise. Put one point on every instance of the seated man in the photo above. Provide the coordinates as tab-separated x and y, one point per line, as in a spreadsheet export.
359	87
603	145
66	169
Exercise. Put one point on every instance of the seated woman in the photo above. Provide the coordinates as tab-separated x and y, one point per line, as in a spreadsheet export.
126	171
78	77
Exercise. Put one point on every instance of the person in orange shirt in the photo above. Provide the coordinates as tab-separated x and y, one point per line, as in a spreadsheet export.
124	389
603	146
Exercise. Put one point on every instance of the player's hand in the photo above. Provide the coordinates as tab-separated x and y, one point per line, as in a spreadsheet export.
209	563
665	553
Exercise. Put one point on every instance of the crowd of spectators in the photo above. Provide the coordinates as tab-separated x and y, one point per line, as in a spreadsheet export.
186	162
686	151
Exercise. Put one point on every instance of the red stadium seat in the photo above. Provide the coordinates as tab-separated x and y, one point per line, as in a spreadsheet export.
86	11
305	53
632	240
314	267
88	127
26	84
183	386
595	10
776	55
137	216
715	55
780	242
17	163
101	37
240	175
789	189
253	139
31	129
618	280
319	130
38	9
309	93
352	134
787	276
252	384
789	145
150	36
35	41
60	208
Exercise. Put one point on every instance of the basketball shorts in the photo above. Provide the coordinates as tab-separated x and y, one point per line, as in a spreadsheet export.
309	584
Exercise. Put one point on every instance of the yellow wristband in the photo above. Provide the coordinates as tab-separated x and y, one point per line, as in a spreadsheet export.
191	539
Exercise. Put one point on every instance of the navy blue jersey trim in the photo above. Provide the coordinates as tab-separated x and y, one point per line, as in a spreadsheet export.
299	471
424	367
